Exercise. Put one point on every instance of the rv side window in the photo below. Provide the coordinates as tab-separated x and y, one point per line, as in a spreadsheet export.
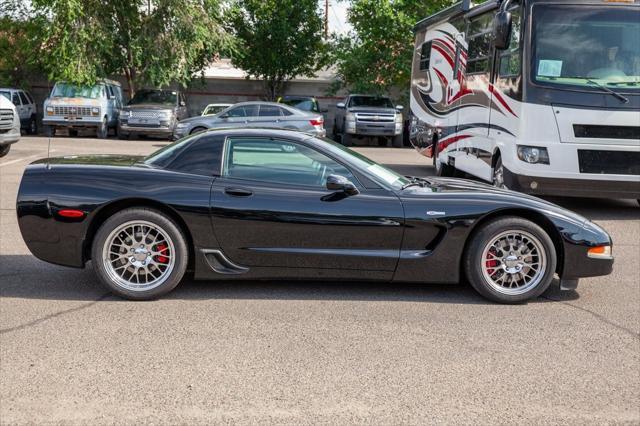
511	58
425	56
479	45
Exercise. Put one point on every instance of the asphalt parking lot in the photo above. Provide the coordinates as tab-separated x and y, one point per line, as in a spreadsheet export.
302	353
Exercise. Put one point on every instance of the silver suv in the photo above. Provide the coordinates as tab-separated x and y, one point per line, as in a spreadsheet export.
76	107
9	125
368	116
152	112
255	114
25	107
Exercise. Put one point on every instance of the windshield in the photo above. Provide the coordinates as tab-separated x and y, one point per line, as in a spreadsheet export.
214	109
586	46
166	97
65	90
383	174
165	155
5	94
303	104
370	101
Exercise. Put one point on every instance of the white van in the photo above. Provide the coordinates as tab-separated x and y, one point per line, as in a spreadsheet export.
9	125
74	107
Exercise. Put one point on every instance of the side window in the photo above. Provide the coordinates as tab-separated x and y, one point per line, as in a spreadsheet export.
425	55
201	157
15	99
243	111
479	40
24	99
510	59
278	161
285	112
31	101
109	91
269	111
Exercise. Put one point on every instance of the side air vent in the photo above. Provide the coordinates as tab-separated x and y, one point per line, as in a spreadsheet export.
606	132
220	264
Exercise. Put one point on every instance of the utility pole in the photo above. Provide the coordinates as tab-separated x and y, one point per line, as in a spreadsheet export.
326	19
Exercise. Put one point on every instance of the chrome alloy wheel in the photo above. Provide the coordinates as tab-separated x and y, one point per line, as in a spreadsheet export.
513	262
138	256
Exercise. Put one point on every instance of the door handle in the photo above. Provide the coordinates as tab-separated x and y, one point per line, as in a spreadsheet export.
238	192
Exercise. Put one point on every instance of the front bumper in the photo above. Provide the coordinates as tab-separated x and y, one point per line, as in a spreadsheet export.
591	188
387	129
166	131
83	122
7	137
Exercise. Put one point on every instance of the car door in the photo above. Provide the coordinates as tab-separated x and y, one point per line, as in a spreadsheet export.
15	99
27	109
268	116
182	107
271	208
238	116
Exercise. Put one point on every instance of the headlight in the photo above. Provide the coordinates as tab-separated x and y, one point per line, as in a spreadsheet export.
350	116
166	114
533	154
49	110
181	125
399	118
95	111
125	114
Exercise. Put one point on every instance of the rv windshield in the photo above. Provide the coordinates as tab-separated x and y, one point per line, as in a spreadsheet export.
586	46
66	90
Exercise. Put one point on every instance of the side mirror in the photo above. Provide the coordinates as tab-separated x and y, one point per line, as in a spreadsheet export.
224	116
340	105
182	103
341	183
502	30
399	107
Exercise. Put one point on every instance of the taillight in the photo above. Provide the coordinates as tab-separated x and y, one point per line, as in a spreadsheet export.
318	122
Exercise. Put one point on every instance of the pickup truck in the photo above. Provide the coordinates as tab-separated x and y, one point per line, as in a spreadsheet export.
368	116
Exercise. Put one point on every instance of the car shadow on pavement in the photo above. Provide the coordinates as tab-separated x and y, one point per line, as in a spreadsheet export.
26	277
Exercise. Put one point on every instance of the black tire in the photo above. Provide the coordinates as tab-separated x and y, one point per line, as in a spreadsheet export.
103	131
473	262
346	139
197	130
497	179
50	131
168	226
398	142
32	129
73	133
4	150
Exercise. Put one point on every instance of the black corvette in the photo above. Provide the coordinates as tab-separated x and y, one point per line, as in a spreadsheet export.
276	204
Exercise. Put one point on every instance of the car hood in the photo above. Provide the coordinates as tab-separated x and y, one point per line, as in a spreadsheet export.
93	160
73	101
149	106
373	110
483	192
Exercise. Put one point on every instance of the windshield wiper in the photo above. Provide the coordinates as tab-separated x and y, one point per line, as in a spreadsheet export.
606	89
415	181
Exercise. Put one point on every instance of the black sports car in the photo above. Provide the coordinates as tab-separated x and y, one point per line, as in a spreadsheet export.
276	204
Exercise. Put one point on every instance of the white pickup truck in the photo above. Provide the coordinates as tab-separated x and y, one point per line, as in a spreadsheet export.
9	125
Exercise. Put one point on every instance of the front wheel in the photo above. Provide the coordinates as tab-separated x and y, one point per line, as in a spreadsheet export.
32	129
103	130
398	141
140	254
498	175
510	260
443	170
346	139
4	150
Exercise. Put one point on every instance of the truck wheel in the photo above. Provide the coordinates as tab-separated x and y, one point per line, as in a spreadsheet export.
50	131
4	150
346	139
498	175
510	260
397	141
32	129
443	170
140	254
103	130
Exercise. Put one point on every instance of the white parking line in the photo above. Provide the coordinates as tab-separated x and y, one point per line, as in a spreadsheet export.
17	160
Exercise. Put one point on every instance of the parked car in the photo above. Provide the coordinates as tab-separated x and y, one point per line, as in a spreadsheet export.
368	116
25	106
9	125
213	109
79	107
255	114
305	103
152	112
277	204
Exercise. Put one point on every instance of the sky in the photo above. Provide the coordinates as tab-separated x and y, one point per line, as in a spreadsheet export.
337	16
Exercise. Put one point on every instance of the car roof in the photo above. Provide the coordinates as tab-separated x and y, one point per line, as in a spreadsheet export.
220	104
298	97
261	131
12	88
368	96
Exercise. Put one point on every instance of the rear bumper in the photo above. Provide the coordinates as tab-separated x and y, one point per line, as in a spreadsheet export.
591	188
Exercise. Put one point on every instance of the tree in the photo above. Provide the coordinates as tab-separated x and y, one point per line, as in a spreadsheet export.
150	42
278	40
377	54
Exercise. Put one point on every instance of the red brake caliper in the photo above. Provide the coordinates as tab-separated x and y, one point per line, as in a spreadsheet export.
162	248
491	262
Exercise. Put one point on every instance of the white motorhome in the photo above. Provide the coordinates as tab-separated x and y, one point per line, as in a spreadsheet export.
535	95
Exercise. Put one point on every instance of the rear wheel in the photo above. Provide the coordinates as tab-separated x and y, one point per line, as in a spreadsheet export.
32	129
510	260
4	150
140	254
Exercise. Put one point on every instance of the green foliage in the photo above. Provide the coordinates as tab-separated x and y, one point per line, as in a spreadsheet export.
151	42
278	40
377	55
